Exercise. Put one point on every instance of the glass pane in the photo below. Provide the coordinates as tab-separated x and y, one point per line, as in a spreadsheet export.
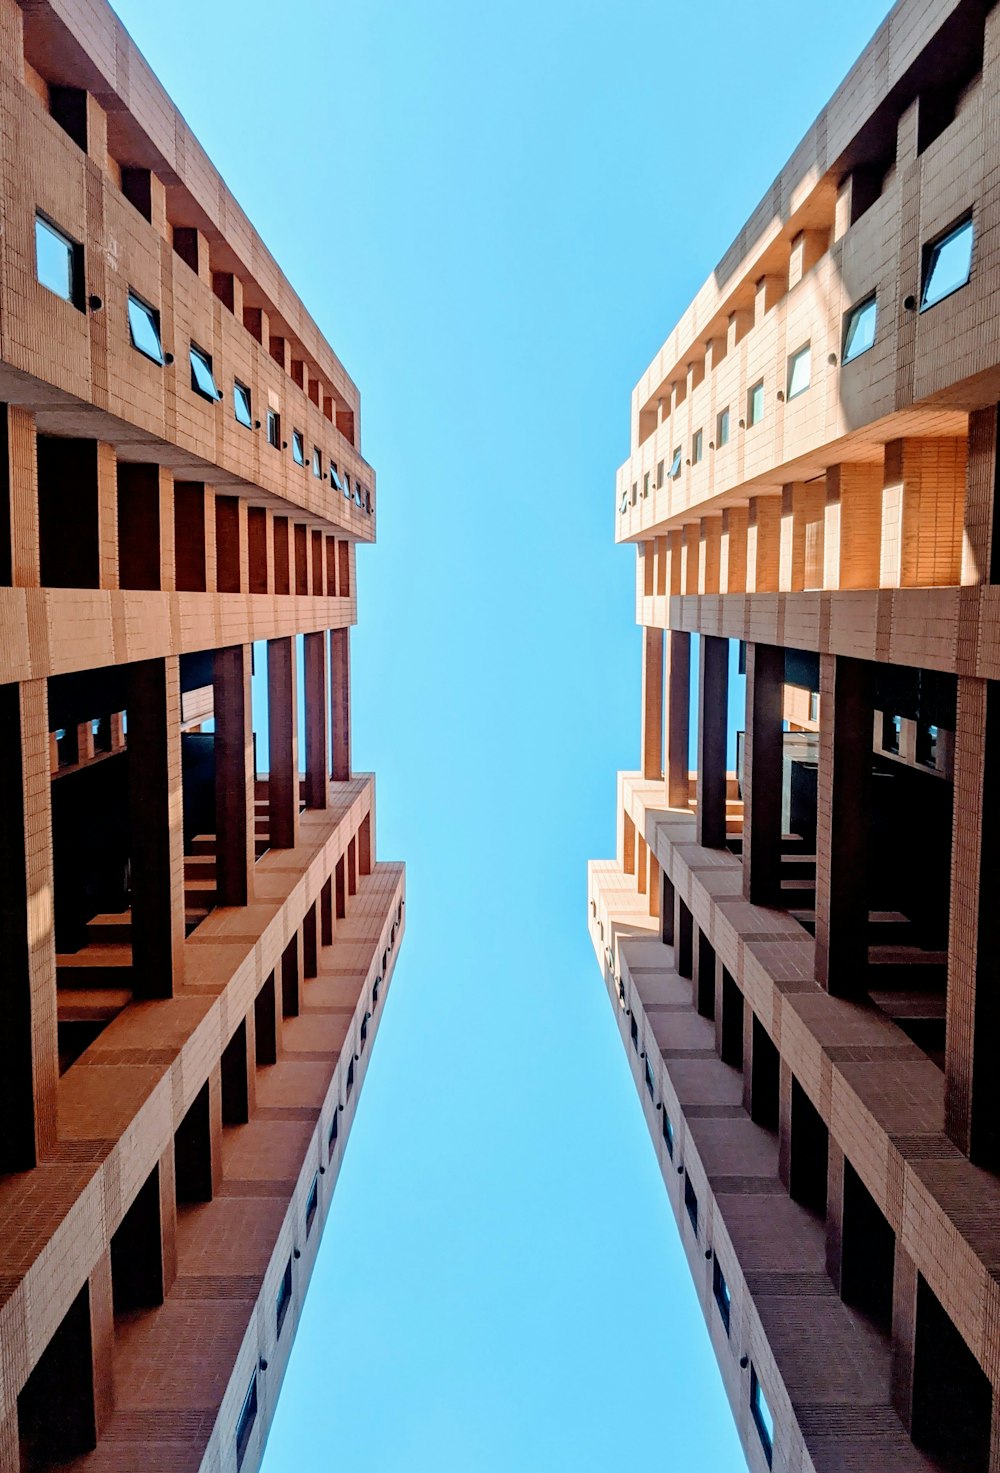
144	330
54	259
799	371
317	464
201	374
241	405
860	333
756	403
273	428
335	478
949	265
297	449
724	427
675	464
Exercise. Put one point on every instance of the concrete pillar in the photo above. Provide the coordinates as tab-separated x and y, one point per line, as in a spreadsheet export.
340	703
234	776
972	1081
981	544
652	703
852	518
713	701
762	774
923	502
156	818
678	719
733	552
763	544
317	743
282	730
21	460
847	705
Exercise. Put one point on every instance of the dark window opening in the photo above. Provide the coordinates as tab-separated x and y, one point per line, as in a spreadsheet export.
720	1290
274	428
705	991
761	1413
245	1421
235	1079
137	1252
952	1396
731	1034
312	1204
68	105
56	1418
265	1024
634	1031
284	1297
137	187
765	1071
810	1147
868	1253
193	1152
334	1132
892	729
668	1134
650	1085
691	1203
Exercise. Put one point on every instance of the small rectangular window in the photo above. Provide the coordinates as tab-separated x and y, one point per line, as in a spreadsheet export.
947	264
317	463
241	404
697	441
814	705
675	464
202	380
650	1086
722	429
634	1030
58	262
298	448
691	1202
645	484
668	1134
347	485
350	1078
859	328
312	1203
284	1296
274	428
892	728
927	743
245	1421
659	474
755	403
799	371
331	1139
364	1030
335	480
761	1413
144	328
722	1296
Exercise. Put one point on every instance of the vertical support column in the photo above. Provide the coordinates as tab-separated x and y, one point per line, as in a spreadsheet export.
317	742
107	514
652	703
847	707
713	703
340	703
29	1063
762	775
102	1340
972	1081
763	544
282	734
156	820
22	463
981	542
678	722
234	775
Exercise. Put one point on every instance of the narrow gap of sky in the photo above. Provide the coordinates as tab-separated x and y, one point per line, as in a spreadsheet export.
496	214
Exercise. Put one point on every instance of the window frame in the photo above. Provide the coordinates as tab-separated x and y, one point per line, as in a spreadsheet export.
74	251
335	480
274	423
333	1134
650	1081
151	315
697	447
691	1203
931	252
753	418
312	1204
246	1421
794	359
668	1133
853	314
298	448
763	1419
241	394
721	1294
317	463
199	355
676	463
720	439
283	1298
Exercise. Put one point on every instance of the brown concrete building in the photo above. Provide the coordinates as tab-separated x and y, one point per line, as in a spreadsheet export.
802	950
195	945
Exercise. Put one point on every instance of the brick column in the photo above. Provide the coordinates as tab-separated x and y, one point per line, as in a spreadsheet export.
981	544
282	735
652	703
317	743
234	776
22	470
847	707
156	818
29	1063
972	1081
678	723
340	703
762	775
713	702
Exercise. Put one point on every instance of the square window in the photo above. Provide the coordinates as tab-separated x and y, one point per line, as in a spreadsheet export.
691	1203
335	480
317	463
284	1296
697	441
859	328
722	429
668	1134
144	328
245	1421
761	1413
755	403
312	1203
947	264
721	1291
274	428
675	464
298	448
650	1086
58	262
799	371
634	1031
201	374
241	404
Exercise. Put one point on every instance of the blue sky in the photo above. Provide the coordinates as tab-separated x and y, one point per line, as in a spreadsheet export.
496	214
